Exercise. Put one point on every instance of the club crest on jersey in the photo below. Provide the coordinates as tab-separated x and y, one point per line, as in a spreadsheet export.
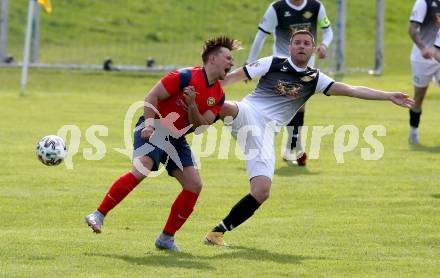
288	89
307	15
210	101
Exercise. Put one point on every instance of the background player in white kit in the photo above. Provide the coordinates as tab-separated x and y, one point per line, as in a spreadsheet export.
282	18
423	27
285	85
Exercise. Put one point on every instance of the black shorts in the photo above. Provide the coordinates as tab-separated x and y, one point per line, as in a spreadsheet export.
162	148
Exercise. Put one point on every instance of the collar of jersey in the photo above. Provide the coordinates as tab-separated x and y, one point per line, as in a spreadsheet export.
206	78
298	8
298	69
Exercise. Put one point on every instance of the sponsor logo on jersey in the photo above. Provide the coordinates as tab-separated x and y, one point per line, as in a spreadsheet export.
287	14
300	26
283	69
210	101
289	89
434	4
308	78
307	15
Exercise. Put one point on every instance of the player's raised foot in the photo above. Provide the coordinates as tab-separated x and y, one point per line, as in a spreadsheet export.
164	242
414	137
95	221
215	238
287	155
301	159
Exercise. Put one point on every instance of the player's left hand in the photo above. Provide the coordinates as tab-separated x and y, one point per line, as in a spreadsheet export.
401	99
322	51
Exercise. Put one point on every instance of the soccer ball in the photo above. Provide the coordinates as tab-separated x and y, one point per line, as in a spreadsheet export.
51	150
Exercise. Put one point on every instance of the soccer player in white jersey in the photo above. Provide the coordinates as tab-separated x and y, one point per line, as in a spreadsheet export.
423	27
282	18
285	85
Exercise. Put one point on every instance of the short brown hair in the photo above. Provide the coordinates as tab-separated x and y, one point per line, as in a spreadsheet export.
215	44
302	32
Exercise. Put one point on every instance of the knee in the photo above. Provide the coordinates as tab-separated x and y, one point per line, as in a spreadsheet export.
193	186
261	195
197	186
141	167
260	188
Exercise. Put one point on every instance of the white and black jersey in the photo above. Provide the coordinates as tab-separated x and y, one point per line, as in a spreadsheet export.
282	18
283	87
427	13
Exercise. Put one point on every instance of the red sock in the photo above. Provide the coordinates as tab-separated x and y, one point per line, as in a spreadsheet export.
117	192
180	211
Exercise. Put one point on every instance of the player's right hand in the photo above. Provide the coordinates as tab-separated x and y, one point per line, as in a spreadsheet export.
322	51
147	132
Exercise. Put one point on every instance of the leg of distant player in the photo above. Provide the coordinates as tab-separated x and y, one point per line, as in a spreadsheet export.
415	112
243	210
182	207
295	124
119	190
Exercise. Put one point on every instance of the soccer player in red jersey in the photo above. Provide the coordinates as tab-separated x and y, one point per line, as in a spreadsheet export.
179	103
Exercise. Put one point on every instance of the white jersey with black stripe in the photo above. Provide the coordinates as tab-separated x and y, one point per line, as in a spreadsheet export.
283	87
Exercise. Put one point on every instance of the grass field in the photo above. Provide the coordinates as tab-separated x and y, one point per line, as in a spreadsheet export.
171	32
356	219
361	218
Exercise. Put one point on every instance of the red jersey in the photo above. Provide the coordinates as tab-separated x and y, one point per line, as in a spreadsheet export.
209	97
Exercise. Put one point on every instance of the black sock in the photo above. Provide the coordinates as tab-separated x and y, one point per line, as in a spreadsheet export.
220	228
296	122
244	209
414	118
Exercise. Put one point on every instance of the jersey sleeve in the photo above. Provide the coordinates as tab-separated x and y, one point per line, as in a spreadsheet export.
419	11
171	82
258	68
269	21
324	83
323	20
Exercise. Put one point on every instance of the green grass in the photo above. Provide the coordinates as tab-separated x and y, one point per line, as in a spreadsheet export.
172	32
357	219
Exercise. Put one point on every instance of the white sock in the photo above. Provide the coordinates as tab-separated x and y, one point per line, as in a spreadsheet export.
413	130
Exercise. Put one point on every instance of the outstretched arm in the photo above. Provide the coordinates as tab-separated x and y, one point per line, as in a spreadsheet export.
236	76
342	89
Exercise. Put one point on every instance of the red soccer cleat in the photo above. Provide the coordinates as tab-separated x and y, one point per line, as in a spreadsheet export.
301	159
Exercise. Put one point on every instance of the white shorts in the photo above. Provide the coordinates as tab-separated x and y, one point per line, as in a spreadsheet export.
424	70
255	135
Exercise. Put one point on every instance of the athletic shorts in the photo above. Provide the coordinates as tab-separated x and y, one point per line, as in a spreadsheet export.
255	135
424	70
163	148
